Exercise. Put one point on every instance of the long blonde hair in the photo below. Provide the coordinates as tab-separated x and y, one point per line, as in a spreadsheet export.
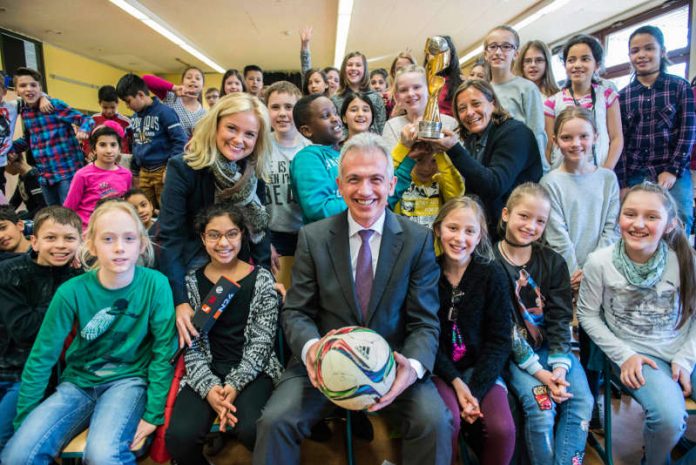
202	148
89	261
484	249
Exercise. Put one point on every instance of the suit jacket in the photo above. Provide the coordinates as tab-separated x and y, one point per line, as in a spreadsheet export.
404	302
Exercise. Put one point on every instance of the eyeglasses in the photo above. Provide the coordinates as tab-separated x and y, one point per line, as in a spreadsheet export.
215	236
505	47
534	61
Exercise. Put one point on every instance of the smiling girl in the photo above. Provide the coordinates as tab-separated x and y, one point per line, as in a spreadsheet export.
225	162
659	123
230	371
475	329
354	77
104	177
426	177
535	64
544	374
356	114
582	55
185	99
584	197
519	97
637	303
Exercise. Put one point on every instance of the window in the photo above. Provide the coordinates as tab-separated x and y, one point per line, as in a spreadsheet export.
17	51
673	19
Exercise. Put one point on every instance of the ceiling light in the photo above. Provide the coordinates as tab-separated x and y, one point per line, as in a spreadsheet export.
141	13
550	8
521	24
345	11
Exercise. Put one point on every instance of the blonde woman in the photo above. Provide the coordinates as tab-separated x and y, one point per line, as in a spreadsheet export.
223	163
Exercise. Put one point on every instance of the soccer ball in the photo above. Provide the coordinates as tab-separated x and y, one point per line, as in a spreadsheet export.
355	367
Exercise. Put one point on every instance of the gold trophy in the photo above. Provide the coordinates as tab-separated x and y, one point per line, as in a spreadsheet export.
437	55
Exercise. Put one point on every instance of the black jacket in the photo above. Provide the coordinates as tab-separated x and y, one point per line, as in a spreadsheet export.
511	157
188	192
26	289
484	319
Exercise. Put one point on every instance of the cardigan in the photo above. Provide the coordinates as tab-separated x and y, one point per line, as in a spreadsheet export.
484	319
259	335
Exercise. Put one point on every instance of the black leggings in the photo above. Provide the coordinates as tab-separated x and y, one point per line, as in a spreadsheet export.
193	416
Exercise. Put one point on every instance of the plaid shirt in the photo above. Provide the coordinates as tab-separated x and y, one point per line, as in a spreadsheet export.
659	128
52	141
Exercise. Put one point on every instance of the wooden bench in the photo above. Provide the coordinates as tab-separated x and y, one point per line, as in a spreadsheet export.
73	453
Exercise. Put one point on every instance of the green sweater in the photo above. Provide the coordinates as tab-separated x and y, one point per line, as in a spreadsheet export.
138	342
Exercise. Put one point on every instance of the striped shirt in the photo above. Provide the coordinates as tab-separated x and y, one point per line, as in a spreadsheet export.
52	141
659	127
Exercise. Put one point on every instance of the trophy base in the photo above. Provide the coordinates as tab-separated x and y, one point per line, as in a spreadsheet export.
430	130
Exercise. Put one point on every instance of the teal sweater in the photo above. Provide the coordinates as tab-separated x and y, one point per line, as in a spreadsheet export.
138	342
313	174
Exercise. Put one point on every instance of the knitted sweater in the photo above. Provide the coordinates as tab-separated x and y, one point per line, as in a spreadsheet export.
259	335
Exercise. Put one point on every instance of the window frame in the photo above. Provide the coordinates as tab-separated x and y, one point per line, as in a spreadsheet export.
681	55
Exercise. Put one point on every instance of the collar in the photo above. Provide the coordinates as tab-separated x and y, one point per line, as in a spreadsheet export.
354	227
660	82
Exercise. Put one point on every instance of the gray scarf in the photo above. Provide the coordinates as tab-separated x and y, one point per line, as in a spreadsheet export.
239	189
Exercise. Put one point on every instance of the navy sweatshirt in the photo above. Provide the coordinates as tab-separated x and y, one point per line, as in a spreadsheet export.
157	136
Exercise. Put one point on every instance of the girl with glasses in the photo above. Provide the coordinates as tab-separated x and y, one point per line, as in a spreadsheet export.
230	371
518	96
535	64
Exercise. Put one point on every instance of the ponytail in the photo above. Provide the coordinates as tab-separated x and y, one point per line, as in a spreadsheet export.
677	240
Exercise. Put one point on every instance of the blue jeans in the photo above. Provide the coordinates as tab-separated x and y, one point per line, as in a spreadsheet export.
112	411
574	414
665	413
683	194
56	193
9	392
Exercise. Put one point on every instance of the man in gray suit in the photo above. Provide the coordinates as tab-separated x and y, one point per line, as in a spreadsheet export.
365	267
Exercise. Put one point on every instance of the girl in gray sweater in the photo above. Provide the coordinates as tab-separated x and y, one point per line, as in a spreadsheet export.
637	302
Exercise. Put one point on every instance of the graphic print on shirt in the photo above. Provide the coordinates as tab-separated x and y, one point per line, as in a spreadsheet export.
421	203
100	324
647	312
530	305
279	176
144	129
